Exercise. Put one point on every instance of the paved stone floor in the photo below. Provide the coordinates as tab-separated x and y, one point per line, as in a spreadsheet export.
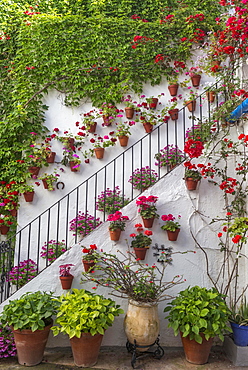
117	358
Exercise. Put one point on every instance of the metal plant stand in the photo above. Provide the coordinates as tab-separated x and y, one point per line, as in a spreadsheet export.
134	349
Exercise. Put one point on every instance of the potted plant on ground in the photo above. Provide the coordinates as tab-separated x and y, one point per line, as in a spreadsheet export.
141	241
65	276
30	319
169	156
239	322
172	227
89	259
198	314
84	317
117	225
123	132
144	286
191	176
147	209
142	178
110	201
25	271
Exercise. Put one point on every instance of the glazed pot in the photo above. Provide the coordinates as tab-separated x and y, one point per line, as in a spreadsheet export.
141	323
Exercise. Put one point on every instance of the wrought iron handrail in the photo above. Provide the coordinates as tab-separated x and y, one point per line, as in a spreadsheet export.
84	197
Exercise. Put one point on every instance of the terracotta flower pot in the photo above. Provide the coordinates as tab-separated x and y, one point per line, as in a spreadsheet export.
88	265
66	281
45	184
173	89
173	114
99	153
29	196
148	222
30	345
140	253
148	127
71	141
13	212
51	157
123	140
107	121
92	128
4	229
115	234
195	79
191	184
129	112
34	170
154	103
191	105
210	96
172	235
72	164
86	349
197	353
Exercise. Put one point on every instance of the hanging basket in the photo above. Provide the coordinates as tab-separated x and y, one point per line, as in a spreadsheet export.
129	112
99	153
123	140
173	89
140	253
172	235
115	234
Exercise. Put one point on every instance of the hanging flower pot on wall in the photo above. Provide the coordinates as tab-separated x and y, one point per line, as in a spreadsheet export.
140	253
66	281
148	127
191	184
129	112
173	114
123	140
173	89
72	166
195	79
172	235
92	128
88	265
51	157
4	229
115	234
34	170
29	196
191	105
148	222
154	103
99	153
210	96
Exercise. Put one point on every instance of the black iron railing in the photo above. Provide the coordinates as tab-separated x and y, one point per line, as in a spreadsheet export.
54	223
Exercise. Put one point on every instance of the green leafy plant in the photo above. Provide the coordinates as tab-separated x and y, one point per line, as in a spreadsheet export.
170	223
239	313
23	272
110	201
141	239
89	253
147	208
170	155
198	311
123	128
50	179
117	221
80	311
31	311
191	171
